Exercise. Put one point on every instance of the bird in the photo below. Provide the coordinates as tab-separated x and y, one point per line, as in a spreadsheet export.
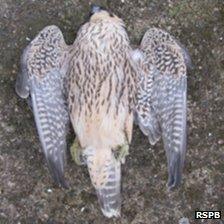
101	85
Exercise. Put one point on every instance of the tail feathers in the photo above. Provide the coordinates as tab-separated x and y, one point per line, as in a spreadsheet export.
105	173
109	196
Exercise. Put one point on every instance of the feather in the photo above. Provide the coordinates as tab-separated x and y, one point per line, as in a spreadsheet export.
161	101
43	78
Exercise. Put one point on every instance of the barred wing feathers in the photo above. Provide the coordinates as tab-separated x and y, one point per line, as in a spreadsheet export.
162	92
44	64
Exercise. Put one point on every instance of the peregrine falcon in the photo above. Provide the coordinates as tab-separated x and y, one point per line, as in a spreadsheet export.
100	85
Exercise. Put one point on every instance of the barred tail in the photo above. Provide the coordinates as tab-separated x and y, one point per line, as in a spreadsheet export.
105	173
109	196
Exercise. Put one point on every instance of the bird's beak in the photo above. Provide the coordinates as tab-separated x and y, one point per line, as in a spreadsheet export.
95	9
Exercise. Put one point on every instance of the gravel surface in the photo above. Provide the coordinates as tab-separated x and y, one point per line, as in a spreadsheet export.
27	193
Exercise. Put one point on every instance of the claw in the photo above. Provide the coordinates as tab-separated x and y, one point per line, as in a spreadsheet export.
76	153
122	152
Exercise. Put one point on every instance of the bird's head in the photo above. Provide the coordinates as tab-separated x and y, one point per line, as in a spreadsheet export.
99	13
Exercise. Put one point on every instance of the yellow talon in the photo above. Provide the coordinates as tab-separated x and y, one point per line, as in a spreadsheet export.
122	152
76	152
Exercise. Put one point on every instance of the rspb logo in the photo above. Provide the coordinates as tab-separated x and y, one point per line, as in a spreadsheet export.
208	215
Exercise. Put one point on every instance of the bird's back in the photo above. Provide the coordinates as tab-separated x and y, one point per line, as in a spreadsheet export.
98	97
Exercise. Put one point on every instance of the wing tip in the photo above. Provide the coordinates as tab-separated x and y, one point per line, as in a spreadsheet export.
57	173
59	180
174	184
175	173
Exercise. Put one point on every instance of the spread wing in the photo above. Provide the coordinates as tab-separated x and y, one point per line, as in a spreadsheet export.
44	64
161	101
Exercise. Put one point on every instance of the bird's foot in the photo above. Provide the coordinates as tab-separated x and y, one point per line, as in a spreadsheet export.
122	152
76	153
